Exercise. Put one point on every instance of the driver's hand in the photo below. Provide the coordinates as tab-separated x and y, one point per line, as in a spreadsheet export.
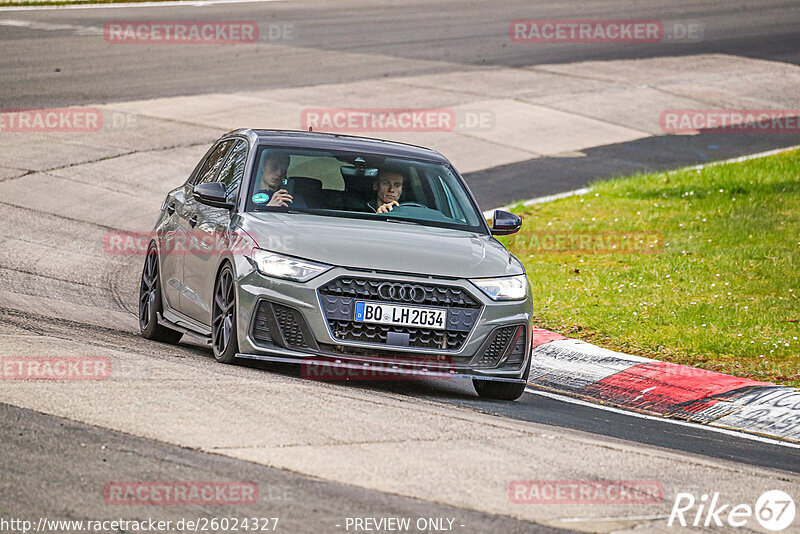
386	208
281	198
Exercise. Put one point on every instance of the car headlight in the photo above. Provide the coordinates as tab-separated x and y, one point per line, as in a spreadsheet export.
286	267
506	288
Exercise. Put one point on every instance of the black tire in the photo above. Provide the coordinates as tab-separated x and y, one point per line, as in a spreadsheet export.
150	302
489	389
223	317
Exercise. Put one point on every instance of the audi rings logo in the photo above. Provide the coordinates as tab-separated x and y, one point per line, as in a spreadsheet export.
401	292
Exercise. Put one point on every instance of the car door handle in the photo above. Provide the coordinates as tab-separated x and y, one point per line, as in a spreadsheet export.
171	209
193	221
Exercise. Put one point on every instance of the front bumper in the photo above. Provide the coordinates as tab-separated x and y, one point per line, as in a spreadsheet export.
283	321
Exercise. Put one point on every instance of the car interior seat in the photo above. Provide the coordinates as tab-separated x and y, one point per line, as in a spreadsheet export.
307	190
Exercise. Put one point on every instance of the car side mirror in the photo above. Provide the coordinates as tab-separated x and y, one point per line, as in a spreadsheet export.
212	194
505	223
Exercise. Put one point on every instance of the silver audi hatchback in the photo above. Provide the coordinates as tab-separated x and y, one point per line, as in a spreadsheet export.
352	257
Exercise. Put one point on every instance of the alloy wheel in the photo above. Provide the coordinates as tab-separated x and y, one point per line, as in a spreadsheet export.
147	289
222	322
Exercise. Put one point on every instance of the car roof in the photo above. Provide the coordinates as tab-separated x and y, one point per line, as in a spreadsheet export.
332	141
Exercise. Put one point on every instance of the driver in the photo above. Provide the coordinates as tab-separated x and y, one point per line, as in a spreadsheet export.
388	188
272	175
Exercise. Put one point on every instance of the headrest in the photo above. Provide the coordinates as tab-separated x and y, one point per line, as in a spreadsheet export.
307	189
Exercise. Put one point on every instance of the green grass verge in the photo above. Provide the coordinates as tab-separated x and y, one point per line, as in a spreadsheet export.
719	292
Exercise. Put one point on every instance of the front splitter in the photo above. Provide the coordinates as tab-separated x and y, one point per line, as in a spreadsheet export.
313	368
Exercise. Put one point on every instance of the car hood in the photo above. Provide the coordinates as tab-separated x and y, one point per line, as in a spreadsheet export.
382	246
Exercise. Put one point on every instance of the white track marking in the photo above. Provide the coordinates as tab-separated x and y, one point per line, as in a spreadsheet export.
738	159
46	26
549	198
200	3
753	437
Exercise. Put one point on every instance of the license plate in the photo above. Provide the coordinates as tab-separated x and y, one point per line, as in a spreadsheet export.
370	312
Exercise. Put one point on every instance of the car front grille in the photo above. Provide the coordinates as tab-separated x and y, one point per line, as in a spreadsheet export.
260	331
282	324
290	326
491	356
517	354
505	340
370	289
338	298
424	338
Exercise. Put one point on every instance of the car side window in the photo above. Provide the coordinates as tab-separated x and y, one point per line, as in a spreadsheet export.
214	160
233	170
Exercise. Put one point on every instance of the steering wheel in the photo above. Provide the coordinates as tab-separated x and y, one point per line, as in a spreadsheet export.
412	205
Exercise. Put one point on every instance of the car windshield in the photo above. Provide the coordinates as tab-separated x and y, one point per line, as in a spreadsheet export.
346	184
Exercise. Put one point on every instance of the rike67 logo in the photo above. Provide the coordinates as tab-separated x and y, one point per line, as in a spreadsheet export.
774	511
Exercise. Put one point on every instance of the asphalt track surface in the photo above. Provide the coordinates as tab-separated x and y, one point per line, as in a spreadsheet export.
59	58
58	67
535	408
546	176
46	67
37	448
